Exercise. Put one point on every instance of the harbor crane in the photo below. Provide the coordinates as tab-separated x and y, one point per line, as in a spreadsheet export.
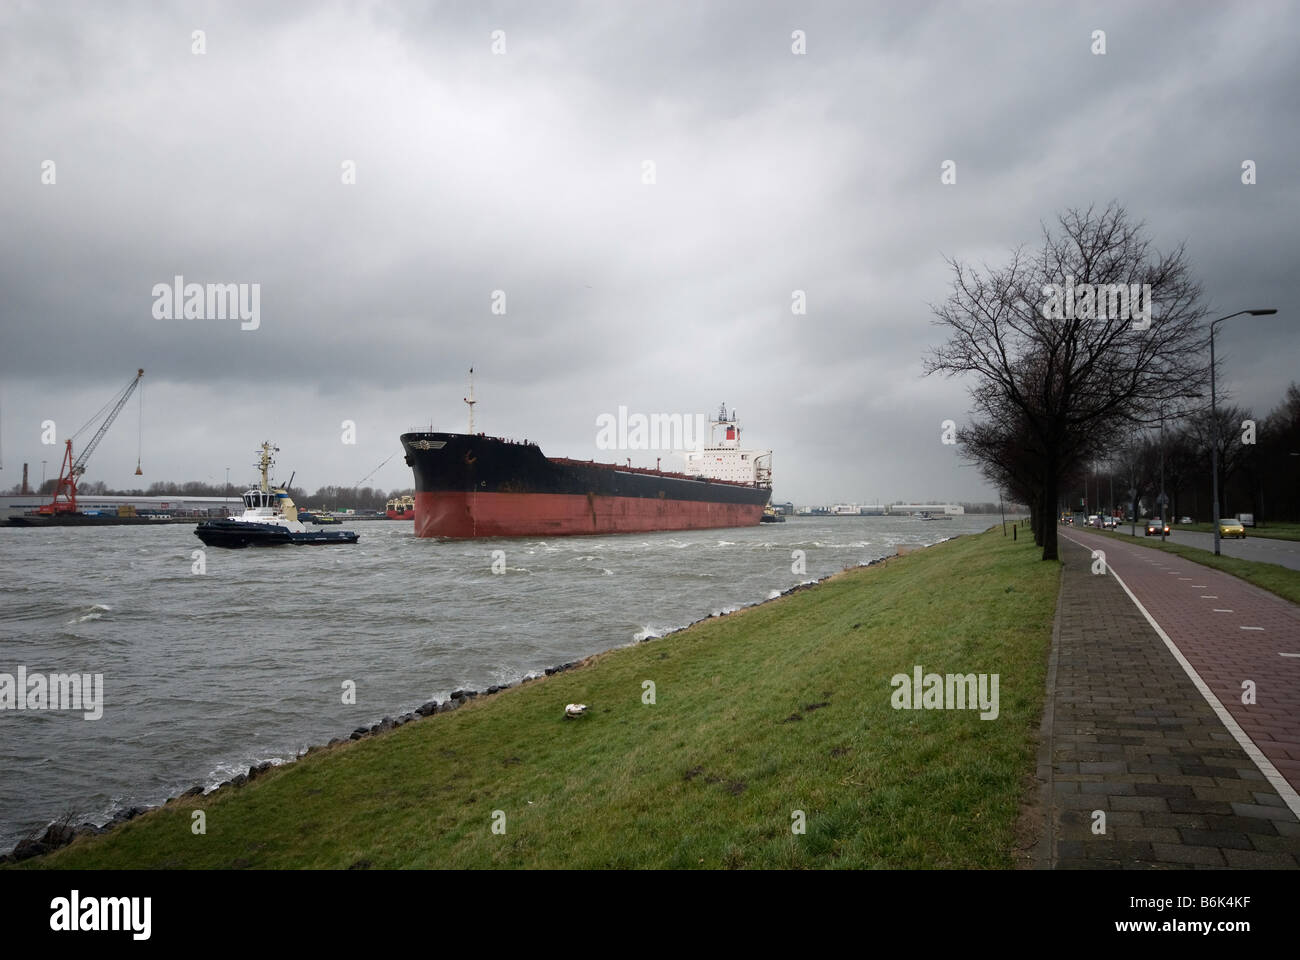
65	491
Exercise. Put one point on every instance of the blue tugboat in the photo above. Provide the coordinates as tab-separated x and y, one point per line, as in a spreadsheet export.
269	519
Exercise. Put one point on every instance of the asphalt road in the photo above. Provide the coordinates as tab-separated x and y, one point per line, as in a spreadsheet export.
1285	553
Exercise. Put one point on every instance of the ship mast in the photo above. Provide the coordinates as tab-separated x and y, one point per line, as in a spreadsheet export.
471	401
264	462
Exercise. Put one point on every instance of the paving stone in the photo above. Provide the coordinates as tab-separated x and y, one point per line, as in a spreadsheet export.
1190	820
1153	804
1256	859
1181	805
1216	838
1269	800
1163	790
1105	766
1260	812
1235	824
1150	834
1081	864
1184	853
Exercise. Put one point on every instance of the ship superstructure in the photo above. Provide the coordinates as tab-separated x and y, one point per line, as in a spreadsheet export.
723	458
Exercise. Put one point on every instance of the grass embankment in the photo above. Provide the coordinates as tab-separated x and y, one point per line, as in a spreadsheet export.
1272	577
1271	531
777	708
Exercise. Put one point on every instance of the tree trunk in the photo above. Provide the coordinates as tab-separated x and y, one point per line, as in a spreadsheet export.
1050	490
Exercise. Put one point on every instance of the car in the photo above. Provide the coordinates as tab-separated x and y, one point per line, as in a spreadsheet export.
1185	520
1108	523
1153	528
1232	528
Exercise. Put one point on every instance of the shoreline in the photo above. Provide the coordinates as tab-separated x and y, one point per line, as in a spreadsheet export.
61	832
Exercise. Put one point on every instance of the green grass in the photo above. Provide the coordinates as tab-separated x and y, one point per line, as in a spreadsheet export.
1272	531
707	777
1272	577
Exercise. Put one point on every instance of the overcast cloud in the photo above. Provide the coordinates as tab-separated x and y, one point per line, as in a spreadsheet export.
522	172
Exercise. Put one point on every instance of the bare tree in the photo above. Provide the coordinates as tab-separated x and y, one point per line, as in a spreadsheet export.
1075	371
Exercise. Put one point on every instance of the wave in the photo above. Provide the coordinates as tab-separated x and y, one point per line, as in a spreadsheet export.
94	612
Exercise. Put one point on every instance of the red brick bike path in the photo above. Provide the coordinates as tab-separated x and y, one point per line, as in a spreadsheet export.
1229	631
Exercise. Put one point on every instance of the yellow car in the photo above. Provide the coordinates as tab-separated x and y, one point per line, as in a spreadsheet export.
1232	528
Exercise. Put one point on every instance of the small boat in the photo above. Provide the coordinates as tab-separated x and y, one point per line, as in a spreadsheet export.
922	515
269	519
401	508
771	516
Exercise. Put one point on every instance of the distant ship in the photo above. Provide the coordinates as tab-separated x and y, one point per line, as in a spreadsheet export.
401	508
269	519
471	485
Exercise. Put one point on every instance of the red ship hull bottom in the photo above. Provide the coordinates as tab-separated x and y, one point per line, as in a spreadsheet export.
471	515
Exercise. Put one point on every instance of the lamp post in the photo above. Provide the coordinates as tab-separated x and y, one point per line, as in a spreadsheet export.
1163	498
1214	416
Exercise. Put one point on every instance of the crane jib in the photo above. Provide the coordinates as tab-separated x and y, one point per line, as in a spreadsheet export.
79	465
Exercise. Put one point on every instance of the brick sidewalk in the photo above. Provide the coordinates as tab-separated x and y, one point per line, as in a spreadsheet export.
1231	632
1127	733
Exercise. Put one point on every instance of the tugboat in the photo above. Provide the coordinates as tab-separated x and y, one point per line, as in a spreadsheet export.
269	519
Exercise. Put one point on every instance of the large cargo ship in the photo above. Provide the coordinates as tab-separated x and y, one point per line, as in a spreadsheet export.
472	485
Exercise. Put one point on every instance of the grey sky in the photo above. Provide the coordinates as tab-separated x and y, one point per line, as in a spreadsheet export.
522	172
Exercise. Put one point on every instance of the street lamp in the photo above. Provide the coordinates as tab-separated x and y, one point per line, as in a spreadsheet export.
1214	416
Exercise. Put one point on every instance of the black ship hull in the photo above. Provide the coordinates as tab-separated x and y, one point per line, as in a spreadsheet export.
239	533
475	486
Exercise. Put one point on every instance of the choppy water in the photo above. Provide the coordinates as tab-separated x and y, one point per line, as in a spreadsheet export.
207	674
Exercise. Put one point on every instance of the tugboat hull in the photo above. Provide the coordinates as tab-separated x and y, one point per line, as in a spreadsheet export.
239	533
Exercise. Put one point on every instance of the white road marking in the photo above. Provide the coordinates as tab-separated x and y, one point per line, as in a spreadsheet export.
1252	628
1289	654
1218	610
1209	596
1279	782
